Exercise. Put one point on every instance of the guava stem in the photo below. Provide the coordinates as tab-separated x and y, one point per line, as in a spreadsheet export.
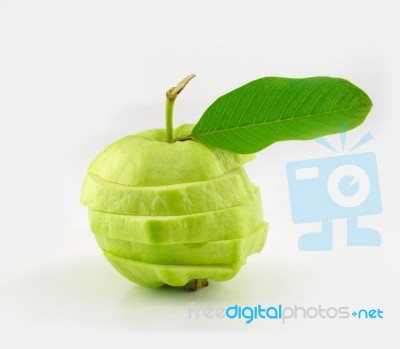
169	127
196	284
171	94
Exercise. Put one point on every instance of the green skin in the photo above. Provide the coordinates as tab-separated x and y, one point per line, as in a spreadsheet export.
146	159
167	200
233	222
173	212
157	275
214	252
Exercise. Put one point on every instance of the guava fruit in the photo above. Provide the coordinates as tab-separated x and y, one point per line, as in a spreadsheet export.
169	213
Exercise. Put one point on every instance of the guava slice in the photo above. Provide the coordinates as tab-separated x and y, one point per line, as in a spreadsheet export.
146	159
215	252
157	275
169	200
225	224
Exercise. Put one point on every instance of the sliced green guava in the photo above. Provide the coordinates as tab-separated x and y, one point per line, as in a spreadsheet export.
170	213
168	200
156	275
214	252
224	224
147	159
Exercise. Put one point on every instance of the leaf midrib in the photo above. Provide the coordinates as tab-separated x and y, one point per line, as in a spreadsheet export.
278	121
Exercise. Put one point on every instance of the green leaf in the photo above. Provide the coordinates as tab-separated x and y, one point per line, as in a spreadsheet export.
272	109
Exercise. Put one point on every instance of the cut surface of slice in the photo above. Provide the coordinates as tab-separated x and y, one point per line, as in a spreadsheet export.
170	200
215	252
157	275
226	224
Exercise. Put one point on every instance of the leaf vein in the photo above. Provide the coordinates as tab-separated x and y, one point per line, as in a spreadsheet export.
262	103
305	98
237	103
248	104
276	99
323	94
344	95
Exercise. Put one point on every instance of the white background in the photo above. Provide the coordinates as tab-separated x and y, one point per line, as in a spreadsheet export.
77	75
